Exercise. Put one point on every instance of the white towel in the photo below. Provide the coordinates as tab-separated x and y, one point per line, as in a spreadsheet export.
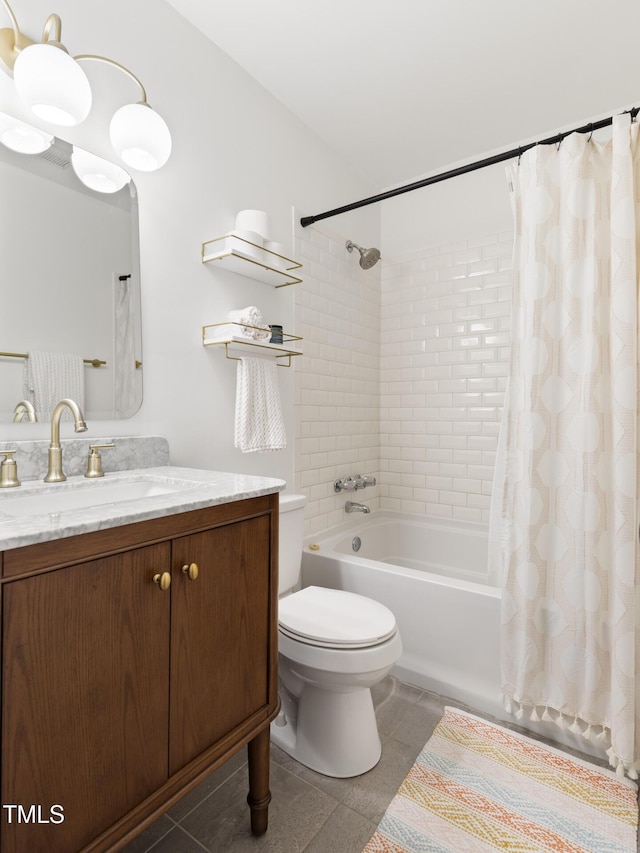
227	331
245	317
250	315
259	423
50	377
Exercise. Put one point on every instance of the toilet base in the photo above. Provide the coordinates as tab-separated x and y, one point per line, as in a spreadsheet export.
335	732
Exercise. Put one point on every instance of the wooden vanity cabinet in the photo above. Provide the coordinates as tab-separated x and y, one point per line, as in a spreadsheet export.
119	695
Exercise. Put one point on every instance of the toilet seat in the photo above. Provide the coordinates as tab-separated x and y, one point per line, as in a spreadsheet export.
335	619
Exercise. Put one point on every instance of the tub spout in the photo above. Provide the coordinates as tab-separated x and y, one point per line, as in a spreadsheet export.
352	506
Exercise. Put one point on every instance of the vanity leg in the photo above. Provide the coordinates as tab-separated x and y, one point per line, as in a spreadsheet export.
259	794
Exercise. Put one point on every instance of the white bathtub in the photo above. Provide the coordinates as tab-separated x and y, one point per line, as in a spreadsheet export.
433	575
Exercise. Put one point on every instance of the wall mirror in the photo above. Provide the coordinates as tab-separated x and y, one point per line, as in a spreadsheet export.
70	281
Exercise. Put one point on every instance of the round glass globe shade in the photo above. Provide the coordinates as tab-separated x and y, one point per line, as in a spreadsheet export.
52	84
96	173
22	137
141	137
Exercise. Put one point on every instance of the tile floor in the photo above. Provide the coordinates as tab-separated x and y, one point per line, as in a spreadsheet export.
309	812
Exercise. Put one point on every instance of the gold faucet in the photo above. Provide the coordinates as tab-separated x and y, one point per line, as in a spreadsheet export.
55	473
24	407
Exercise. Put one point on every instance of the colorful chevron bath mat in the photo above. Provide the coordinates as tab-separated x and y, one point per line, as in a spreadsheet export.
477	787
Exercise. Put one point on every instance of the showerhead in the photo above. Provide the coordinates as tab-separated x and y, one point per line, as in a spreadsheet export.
368	257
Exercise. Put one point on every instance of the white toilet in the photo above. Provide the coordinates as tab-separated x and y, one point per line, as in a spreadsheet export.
333	647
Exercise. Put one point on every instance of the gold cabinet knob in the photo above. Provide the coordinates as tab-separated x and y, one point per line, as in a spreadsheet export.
163	580
190	569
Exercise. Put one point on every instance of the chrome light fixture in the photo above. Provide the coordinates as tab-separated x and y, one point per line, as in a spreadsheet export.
56	89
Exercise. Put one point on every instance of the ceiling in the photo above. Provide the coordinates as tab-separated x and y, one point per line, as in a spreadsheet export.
404	88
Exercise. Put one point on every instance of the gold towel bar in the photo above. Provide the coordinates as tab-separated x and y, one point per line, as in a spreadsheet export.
237	358
94	362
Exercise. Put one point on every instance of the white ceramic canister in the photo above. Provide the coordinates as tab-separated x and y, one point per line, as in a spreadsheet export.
254	220
274	260
240	241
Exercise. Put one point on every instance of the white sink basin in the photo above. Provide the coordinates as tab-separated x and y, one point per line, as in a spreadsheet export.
63	497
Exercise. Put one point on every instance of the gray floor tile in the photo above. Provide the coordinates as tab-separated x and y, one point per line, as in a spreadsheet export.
150	836
236	764
391	699
178	841
415	722
297	812
335	788
345	831
309	812
371	793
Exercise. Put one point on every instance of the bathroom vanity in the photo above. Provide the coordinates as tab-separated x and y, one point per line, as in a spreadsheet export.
139	652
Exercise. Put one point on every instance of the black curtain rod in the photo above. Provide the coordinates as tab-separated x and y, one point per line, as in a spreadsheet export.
461	170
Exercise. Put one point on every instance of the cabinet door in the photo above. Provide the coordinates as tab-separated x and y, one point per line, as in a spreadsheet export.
84	698
219	635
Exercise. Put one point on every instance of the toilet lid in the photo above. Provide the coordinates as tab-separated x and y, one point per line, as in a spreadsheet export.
334	618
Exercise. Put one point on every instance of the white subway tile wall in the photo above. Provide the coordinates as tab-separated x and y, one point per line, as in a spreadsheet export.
444	357
337	402
403	376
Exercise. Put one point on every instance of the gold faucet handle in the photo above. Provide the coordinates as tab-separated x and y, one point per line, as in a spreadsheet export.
94	461
8	470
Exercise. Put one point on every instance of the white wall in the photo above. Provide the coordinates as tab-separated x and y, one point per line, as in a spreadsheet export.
234	147
447	212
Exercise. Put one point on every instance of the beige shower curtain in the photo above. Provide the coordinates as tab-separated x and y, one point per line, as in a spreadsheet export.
569	535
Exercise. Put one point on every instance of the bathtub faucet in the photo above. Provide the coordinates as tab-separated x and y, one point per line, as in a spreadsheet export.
352	506
352	484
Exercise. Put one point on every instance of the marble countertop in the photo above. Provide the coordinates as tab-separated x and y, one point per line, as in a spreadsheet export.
183	489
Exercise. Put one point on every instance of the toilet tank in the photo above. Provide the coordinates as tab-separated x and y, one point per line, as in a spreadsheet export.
290	540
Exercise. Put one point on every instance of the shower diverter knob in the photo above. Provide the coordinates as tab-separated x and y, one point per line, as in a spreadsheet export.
347	484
